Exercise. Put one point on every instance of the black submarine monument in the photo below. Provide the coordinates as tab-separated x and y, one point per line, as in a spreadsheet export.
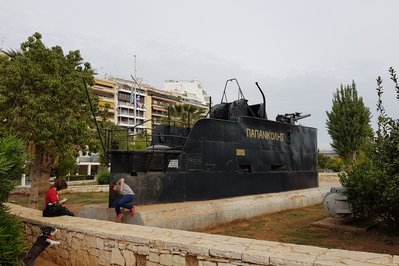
234	151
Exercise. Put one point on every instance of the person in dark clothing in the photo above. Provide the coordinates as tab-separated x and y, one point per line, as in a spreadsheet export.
42	242
53	205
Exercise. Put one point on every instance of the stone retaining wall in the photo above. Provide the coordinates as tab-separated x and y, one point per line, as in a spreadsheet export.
328	177
86	189
94	242
203	214
71	189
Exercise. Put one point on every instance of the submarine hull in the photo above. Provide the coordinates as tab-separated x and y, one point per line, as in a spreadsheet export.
177	187
220	159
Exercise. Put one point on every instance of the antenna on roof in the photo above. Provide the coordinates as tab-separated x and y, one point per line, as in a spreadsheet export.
135	70
2	42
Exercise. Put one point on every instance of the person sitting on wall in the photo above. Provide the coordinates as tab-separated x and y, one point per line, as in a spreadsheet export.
126	201
53	204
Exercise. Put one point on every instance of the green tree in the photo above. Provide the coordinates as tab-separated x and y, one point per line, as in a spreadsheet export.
103	177
322	161
186	114
66	164
373	185
12	160
348	124
335	164
387	135
43	101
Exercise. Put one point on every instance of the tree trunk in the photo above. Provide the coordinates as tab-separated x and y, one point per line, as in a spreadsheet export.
40	173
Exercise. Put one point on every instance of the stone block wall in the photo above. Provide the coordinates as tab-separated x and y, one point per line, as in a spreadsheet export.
71	189
86	189
328	177
95	242
204	214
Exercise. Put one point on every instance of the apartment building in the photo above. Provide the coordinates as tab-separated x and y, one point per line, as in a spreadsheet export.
189	91
133	105
160	102
106	91
141	106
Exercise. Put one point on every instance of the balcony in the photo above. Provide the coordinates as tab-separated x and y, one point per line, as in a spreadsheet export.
160	108
111	105
130	115
123	98
105	90
141	106
106	99
130	125
159	115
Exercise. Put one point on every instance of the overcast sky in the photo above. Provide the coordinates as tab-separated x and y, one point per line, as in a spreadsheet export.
299	51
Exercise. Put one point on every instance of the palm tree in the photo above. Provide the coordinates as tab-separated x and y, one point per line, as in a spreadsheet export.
12	52
186	114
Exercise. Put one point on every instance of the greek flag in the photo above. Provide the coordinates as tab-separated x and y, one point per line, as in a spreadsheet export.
137	100
132	98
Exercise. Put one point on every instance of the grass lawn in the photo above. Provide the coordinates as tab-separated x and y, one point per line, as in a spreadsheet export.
75	200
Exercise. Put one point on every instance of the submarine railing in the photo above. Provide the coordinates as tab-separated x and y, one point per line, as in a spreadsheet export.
240	95
130	141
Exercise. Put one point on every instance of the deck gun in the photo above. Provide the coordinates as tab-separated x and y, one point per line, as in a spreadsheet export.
291	118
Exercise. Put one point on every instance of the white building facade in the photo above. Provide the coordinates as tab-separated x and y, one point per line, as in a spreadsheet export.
190	91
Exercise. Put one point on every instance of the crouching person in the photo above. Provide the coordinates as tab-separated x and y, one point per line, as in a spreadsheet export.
126	201
53	205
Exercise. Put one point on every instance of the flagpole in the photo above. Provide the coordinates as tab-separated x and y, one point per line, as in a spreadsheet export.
135	97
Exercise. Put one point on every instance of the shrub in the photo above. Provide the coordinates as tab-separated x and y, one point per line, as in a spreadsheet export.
12	241
336	164
322	161
66	164
373	186
79	177
362	186
12	158
103	178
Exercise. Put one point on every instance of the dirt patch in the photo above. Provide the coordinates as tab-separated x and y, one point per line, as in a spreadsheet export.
294	226
75	208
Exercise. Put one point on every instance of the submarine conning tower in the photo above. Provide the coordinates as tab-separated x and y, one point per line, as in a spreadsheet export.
234	151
